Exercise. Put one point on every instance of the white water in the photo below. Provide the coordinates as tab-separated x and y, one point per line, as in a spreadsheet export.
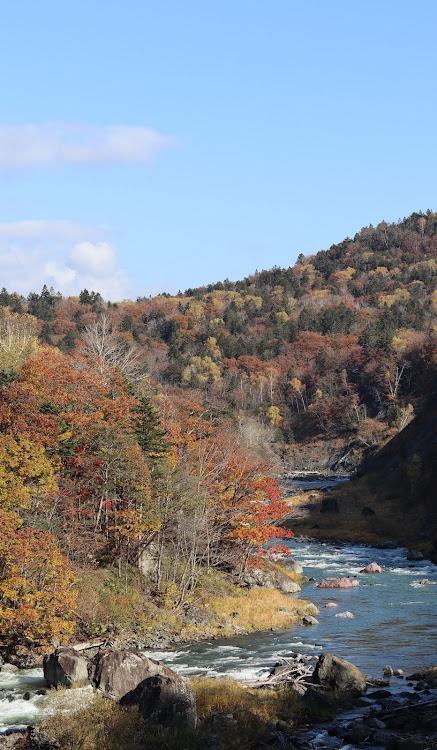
394	621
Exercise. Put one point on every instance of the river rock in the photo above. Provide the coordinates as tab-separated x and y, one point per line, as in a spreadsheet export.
165	698
338	583
372	567
66	667
357	733
309	620
9	668
292	565
270	576
116	673
338	674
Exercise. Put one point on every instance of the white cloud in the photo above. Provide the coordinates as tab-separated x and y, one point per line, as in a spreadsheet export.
64	254
98	258
61	230
57	143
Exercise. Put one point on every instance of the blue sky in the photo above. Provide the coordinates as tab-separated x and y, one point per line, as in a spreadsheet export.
149	147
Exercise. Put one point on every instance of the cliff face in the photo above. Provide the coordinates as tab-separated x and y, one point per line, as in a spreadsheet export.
407	464
392	498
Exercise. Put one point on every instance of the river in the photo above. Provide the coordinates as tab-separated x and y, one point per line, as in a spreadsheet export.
394	622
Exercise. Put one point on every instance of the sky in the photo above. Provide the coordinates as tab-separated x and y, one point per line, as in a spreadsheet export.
149	147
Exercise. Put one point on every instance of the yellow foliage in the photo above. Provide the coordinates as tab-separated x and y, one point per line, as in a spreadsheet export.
282	316
345	275
399	295
405	338
25	471
213	348
204	368
380	269
195	310
257	301
36	595
274	415
18	340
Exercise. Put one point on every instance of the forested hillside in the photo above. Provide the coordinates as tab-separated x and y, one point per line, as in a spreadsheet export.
341	345
144	435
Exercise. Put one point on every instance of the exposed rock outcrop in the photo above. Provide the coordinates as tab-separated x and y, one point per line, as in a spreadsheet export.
115	673
271	576
65	667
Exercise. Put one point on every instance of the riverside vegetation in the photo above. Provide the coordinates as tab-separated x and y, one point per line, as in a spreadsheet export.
139	440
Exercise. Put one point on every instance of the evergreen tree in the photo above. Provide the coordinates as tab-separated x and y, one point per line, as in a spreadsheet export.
151	438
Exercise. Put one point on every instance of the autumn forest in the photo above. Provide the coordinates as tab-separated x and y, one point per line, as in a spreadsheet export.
141	441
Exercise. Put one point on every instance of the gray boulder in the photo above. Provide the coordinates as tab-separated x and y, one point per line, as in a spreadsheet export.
66	667
166	698
115	673
271	576
337	674
292	565
309	620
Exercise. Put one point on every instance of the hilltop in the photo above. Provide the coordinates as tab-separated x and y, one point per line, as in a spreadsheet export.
320	363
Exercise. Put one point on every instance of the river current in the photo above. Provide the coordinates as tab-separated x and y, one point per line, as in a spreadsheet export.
394	622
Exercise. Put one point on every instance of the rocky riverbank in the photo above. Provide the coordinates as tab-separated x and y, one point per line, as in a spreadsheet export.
331	705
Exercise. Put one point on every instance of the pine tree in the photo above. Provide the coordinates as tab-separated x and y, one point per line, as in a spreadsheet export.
151	438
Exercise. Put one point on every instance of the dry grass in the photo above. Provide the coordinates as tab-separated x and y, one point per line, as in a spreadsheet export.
394	520
241	715
96	724
235	718
257	609
298	500
224	608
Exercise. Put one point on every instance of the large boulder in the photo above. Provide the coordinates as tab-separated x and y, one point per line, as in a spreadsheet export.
293	566
338	583
337	674
372	568
115	673
166	698
272	576
66	667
